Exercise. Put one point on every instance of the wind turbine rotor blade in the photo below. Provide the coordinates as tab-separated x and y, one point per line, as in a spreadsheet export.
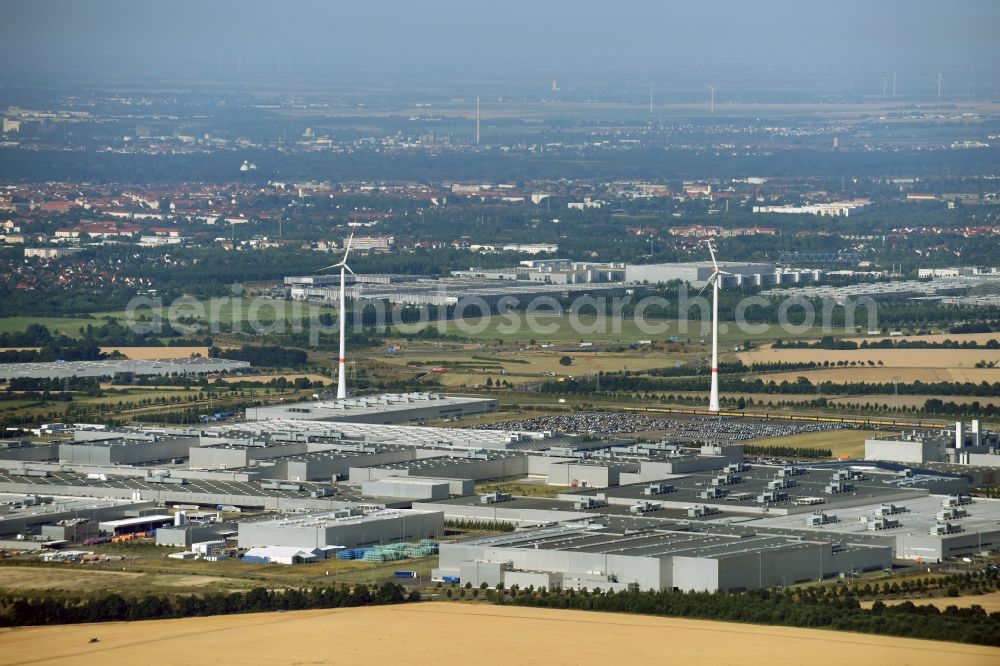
326	268
711	251
350	241
708	283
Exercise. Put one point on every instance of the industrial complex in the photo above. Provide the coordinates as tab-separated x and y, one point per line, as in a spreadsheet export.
632	514
536	278
968	444
196	365
384	408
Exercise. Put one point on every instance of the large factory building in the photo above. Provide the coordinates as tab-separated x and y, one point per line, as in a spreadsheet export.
346	528
582	556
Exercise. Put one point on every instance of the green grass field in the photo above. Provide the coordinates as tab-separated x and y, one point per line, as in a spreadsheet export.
588	328
66	325
840	442
521	488
222	310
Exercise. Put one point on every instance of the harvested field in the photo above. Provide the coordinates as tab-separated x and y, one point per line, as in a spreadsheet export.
911	400
234	379
891	358
570	328
459	633
138	353
531	363
70	578
89	577
527	367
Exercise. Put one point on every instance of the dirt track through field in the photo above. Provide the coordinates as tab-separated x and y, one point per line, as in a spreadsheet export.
444	634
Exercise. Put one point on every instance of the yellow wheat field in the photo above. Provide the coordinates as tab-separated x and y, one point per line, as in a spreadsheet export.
446	634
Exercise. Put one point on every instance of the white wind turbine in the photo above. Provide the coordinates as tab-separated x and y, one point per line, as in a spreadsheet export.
342	318
714	280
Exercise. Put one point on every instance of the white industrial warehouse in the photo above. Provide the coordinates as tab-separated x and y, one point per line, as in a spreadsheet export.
596	557
386	408
663	515
347	528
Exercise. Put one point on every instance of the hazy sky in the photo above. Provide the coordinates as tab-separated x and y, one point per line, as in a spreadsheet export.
509	39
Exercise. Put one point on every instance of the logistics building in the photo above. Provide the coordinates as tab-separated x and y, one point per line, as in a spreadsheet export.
175	366
965	444
696	273
386	408
350	528
460	292
583	556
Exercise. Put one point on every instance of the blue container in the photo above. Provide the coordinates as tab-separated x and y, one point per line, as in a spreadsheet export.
255	559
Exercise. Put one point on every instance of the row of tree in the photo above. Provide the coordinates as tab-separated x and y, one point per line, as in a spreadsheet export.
801	386
265	356
20	609
830	342
785	452
479	525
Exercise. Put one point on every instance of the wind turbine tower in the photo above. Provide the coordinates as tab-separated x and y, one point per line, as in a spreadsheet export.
477	121
711	103
342	320
940	80
714	280
650	100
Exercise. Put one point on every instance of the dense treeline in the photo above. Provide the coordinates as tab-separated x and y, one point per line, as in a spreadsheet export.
51	388
829	342
931	406
785	452
803	608
21	609
50	347
951	408
57	301
485	525
725	367
979	581
802	386
270	356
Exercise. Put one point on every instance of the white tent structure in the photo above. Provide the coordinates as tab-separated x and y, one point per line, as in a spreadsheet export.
288	554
